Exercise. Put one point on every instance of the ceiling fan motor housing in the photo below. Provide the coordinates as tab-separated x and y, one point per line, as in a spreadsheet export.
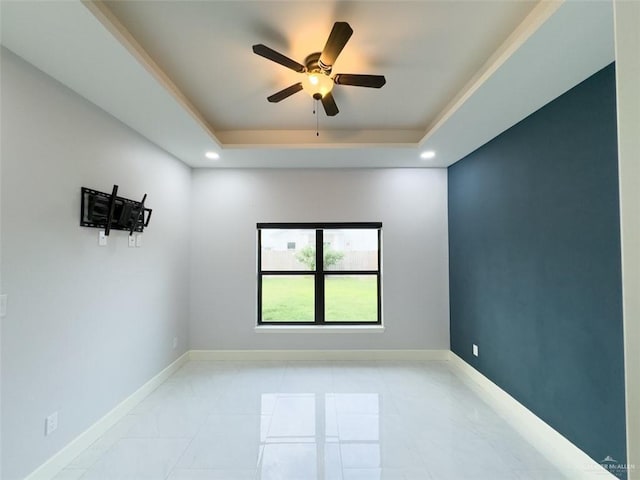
313	64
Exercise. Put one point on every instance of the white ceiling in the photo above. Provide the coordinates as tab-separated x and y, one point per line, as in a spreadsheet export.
183	74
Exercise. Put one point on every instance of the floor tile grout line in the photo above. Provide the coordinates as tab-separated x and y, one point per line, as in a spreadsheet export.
170	470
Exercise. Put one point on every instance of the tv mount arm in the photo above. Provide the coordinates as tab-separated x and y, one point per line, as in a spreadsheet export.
112	206
136	220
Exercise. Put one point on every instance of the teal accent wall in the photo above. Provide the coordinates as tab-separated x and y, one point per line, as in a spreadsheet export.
535	272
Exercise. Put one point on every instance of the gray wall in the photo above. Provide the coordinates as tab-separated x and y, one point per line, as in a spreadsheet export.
86	325
535	265
410	203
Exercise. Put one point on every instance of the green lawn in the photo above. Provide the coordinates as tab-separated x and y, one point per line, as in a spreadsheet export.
346	299
287	298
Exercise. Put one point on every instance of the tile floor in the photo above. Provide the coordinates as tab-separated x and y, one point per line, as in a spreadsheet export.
312	421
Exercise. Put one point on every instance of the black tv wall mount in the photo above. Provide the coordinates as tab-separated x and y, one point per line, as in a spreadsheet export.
110	212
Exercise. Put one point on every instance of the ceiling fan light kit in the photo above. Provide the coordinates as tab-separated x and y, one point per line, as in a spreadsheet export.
317	80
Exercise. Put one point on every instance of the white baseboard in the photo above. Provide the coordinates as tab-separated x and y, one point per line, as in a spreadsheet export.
563	454
60	460
348	355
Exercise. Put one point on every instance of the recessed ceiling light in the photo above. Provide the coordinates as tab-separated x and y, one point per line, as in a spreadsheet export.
212	155
428	154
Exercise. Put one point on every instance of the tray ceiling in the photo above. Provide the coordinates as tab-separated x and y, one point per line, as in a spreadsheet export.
182	73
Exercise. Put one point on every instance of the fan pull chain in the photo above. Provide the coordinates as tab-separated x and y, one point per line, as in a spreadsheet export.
315	112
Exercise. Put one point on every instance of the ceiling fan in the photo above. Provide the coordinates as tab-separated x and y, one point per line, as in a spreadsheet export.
317	70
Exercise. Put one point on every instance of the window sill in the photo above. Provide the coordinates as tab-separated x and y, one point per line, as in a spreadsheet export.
319	329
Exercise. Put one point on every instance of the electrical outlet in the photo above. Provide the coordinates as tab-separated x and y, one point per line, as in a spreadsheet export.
132	240
102	238
51	423
139	240
175	342
475	350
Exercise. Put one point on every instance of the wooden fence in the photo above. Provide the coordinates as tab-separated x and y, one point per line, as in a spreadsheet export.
286	260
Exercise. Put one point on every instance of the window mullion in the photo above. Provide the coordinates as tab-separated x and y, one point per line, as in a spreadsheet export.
319	284
259	276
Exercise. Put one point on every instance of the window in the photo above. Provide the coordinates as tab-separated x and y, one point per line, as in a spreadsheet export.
319	273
